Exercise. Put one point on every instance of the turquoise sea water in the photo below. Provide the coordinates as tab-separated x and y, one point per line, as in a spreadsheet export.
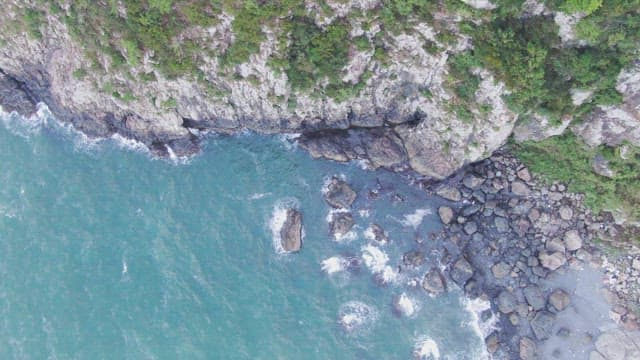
106	253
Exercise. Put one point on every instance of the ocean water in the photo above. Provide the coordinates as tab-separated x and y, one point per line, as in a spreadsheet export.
106	253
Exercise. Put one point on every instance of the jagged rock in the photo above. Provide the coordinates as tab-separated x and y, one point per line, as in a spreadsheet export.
291	231
341	224
559	299
461	271
572	240
446	214
507	302
472	181
449	193
534	297
433	282
339	194
551	261
600	166
527	349
542	325
555	244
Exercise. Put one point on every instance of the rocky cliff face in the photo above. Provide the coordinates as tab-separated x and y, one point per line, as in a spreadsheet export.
401	118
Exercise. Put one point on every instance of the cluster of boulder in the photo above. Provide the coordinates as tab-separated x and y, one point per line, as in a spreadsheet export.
508	234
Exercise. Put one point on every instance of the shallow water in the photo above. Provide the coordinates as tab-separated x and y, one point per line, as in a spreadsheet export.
106	253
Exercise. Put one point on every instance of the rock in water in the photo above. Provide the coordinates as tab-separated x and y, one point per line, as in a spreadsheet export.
552	261
339	194
507	302
291	232
535	297
559	299
527	349
446	214
449	193
341	224
378	234
434	282
542	324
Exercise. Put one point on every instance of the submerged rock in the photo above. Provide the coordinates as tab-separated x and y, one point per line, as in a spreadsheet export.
414	258
507	302
535	297
559	299
552	261
527	349
461	271
378	234
291	232
339	194
542	325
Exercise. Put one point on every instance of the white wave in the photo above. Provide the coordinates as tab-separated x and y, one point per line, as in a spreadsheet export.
414	220
258	196
277	220
327	181
289	140
364	213
376	260
342	238
334	264
355	315
128	144
125	267
406	305
475	307
426	349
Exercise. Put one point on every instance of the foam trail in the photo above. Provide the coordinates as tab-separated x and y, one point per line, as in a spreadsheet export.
376	260
414	220
475	307
334	264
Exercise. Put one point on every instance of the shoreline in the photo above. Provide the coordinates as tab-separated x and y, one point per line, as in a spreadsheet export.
483	192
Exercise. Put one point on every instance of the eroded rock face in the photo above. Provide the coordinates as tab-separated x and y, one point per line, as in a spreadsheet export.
291	232
339	194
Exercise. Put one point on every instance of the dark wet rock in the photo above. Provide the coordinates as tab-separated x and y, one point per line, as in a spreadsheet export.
461	271
433	282
341	224
519	188
379	234
291	231
535	297
527	349
501	270
559	299
507	302
492	342
446	214
542	325
470	227
449	193
13	98
572	240
551	261
472	181
413	258
339	194
471	210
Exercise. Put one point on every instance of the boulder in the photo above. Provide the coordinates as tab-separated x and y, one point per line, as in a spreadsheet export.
559	299
378	234
446	214
470	227
600	166
555	245
341	224
542	325
433	282
472	181
527	349
339	194
492	342
507	302
535	297
501	270
414	258
461	271
291	231
566	213
572	240
519	188
524	174
612	345
449	193
551	261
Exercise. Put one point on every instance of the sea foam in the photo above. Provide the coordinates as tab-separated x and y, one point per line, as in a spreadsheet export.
414	220
356	316
475	307
426	349
277	220
334	264
376	260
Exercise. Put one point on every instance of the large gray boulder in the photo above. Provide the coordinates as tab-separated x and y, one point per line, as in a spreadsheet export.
507	302
535	297
291	231
542	325
341	224
434	282
461	271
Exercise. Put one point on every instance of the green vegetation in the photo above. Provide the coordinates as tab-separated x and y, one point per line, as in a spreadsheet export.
33	20
566	159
